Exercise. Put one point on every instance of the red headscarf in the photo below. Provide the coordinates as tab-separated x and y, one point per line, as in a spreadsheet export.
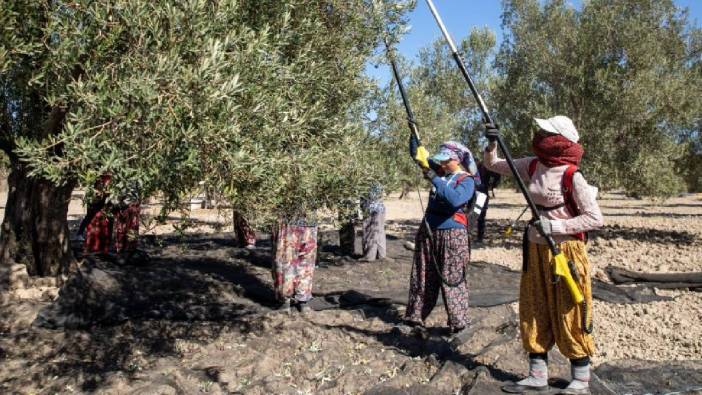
555	150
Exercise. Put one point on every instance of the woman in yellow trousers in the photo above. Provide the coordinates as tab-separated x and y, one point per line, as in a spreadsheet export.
547	314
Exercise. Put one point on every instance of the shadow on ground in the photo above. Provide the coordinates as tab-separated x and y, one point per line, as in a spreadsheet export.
124	327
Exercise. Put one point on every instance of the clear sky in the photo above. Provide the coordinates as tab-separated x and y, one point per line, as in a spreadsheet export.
460	16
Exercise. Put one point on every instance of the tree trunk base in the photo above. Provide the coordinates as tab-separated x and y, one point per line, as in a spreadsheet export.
35	230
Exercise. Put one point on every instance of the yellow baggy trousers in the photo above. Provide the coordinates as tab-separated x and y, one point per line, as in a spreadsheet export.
547	313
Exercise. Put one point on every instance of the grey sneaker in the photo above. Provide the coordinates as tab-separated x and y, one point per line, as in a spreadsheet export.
515	388
576	387
529	384
579	391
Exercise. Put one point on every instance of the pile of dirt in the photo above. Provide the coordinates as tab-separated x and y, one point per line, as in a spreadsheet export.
103	293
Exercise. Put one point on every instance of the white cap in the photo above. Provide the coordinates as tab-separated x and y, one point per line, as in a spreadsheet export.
559	125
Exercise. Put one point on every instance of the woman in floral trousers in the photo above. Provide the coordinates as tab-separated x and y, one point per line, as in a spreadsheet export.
295	246
442	245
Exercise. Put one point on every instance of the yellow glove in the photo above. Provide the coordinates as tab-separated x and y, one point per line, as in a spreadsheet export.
422	157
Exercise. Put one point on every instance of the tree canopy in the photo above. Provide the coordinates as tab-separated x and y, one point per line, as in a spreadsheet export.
262	100
624	71
257	98
443	105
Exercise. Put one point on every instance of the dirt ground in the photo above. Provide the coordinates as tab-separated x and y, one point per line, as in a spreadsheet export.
352	349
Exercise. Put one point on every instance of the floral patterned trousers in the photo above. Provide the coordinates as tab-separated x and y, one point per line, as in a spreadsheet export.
452	254
126	228
98	233
119	226
295	249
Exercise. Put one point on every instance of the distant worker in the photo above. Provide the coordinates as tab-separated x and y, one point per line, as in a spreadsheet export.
373	241
295	251
547	313
97	223
348	217
126	214
244	235
488	182
112	223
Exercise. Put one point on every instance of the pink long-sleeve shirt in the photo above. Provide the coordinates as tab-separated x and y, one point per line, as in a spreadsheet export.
545	188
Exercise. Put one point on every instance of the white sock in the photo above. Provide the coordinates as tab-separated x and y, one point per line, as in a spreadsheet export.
538	373
581	377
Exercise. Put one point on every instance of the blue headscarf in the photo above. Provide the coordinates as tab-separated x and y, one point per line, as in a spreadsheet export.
457	151
461	153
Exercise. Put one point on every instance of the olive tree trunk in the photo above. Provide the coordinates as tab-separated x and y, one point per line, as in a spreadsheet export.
35	228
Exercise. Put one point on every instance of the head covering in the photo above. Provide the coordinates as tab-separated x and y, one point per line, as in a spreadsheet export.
456	151
556	150
561	125
446	153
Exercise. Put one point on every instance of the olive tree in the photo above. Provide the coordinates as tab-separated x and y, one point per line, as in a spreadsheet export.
622	70
257	98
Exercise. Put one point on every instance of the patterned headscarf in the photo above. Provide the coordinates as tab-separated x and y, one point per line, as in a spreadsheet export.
455	150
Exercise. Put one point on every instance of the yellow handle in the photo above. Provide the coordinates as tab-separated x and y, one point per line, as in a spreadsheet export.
561	269
508	231
422	157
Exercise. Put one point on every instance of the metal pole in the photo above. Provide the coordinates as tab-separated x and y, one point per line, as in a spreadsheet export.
410	115
555	250
486	117
413	129
459	62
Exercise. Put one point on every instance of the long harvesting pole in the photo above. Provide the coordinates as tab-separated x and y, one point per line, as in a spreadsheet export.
410	115
415	133
488	119
562	268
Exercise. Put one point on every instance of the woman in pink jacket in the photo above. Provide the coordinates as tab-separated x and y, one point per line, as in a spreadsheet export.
547	314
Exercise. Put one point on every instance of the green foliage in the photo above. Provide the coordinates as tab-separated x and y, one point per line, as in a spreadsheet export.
626	72
440	78
391	131
651	175
259	99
